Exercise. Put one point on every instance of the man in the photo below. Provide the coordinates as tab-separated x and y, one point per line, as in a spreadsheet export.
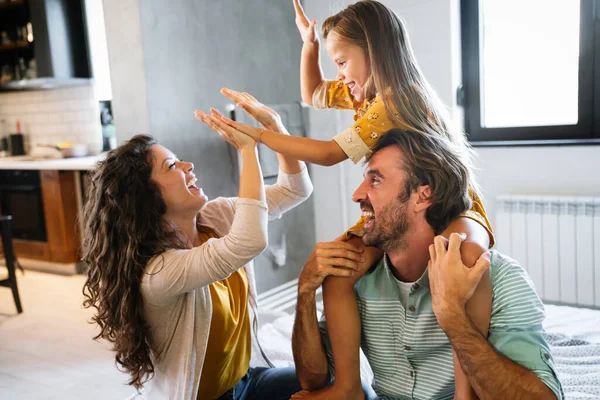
408	339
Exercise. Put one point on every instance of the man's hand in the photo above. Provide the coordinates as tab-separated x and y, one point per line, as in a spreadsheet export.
452	283
329	258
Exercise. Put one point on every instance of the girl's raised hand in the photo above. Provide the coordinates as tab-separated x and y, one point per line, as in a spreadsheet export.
229	133
266	116
307	28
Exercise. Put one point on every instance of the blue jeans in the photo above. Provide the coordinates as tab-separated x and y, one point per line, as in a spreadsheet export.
368	391
265	383
273	384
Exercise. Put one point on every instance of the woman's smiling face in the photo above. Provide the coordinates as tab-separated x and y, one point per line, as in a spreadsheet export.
177	183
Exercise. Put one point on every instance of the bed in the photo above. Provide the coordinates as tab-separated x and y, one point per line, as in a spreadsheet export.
573	334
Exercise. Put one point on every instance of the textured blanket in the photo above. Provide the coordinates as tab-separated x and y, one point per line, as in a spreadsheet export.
573	334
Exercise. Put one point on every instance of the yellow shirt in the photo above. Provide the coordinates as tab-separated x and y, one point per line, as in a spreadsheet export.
371	121
228	351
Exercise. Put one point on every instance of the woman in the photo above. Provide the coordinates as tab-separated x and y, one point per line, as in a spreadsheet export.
171	274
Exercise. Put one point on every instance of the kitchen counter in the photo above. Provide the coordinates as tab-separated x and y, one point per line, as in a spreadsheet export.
60	164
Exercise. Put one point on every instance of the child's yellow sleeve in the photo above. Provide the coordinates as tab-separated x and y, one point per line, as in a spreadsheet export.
333	94
478	214
358	140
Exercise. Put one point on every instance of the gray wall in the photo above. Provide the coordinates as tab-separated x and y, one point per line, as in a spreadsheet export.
126	63
168	59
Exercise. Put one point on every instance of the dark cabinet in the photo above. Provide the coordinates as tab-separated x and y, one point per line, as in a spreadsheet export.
44	44
60	45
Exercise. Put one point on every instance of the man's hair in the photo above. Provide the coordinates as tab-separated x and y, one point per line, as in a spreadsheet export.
435	161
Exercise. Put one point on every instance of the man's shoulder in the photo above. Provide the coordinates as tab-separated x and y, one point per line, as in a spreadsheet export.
373	281
514	298
503	267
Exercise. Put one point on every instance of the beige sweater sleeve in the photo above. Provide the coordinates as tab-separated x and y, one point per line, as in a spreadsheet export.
179	271
242	225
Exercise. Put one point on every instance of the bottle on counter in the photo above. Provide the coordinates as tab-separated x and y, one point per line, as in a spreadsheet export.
4	38
6	74
3	139
16	142
21	70
32	70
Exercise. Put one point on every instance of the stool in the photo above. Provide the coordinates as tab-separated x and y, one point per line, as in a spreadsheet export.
9	255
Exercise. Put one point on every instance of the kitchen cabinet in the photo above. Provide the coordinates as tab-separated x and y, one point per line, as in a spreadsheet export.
60	209
60	188
43	44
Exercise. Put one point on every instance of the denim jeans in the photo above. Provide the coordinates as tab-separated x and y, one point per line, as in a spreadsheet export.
273	384
368	391
265	384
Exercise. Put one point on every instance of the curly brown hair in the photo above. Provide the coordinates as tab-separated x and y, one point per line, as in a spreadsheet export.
124	229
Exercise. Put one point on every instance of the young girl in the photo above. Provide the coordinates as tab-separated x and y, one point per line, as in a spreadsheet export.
379	79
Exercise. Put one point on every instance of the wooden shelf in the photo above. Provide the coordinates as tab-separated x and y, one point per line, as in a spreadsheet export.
10	4
21	44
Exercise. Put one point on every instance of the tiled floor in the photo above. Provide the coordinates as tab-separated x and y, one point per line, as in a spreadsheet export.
47	352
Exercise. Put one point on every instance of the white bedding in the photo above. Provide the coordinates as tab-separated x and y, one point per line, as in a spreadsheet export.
573	333
574	336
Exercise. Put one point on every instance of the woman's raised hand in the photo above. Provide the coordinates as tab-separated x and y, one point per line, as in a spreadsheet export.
230	134
266	116
306	27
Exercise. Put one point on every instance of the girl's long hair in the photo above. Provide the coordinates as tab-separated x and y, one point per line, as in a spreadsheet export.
124	229
408	98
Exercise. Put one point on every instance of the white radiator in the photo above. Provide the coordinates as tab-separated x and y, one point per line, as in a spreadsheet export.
284	298
557	240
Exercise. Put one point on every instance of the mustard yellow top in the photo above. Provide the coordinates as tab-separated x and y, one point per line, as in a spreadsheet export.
371	121
227	357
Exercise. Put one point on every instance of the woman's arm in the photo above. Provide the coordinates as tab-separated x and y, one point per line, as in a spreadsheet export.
293	182
268	118
184	270
289	191
479	307
251	180
176	272
310	63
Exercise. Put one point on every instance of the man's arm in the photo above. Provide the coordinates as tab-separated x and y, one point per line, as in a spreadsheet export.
491	374
309	355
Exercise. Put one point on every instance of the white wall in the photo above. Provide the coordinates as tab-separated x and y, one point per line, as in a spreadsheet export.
125	53
562	170
70	114
434	30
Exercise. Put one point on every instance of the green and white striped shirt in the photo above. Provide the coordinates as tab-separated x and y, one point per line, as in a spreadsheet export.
410	354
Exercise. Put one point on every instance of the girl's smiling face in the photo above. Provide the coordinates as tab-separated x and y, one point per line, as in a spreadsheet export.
352	63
